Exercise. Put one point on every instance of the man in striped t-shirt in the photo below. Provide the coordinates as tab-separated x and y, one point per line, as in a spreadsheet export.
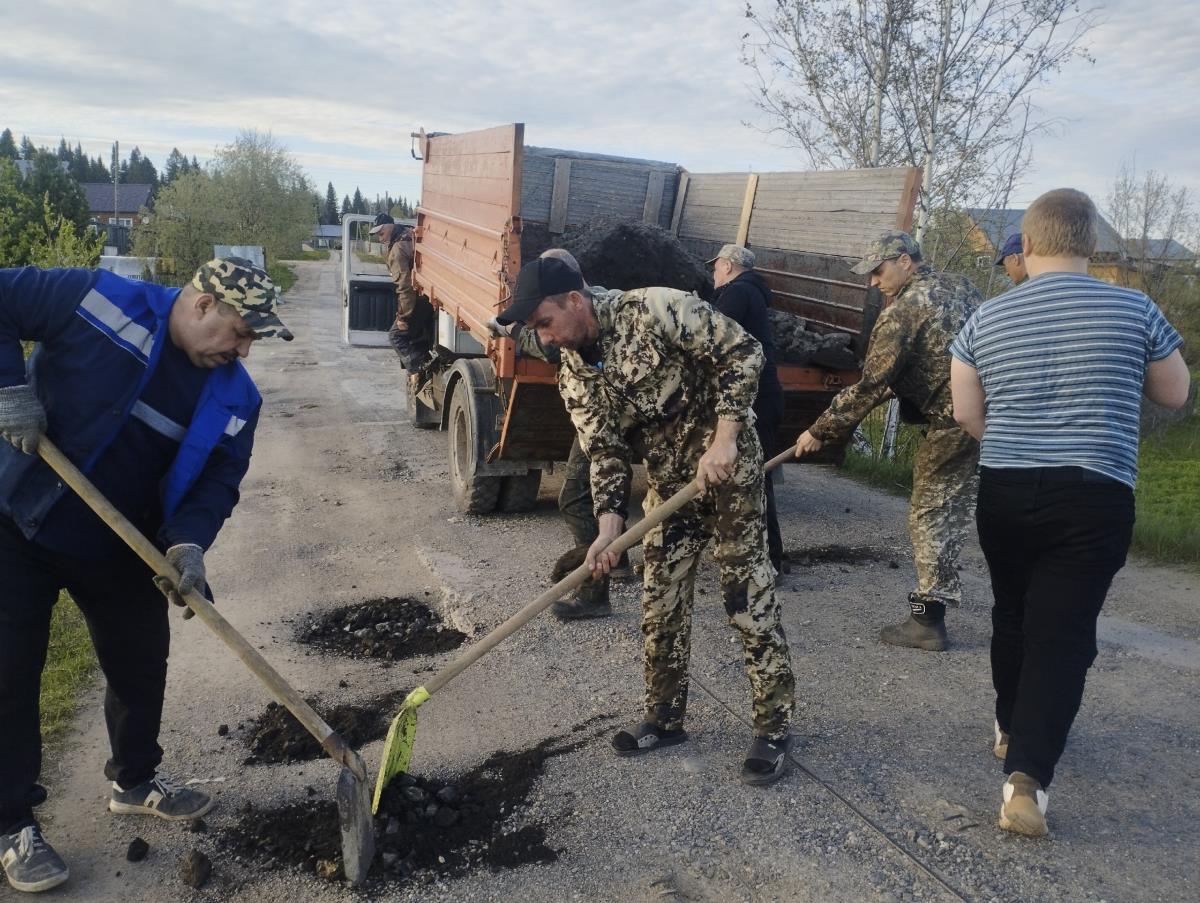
1049	376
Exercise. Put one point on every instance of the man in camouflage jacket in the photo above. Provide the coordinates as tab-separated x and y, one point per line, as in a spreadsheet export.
908	356
657	375
411	335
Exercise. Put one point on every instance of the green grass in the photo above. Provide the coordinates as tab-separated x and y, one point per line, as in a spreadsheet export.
1168	496
307	254
69	666
1168	489
283	276
371	258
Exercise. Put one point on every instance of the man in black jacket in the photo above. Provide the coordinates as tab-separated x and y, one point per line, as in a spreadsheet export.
743	296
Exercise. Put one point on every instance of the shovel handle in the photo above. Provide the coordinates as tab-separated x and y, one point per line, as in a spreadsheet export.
573	580
283	692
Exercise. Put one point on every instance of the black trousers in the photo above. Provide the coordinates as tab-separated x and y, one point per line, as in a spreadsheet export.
1054	538
127	619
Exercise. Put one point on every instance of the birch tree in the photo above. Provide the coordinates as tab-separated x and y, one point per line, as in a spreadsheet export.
940	84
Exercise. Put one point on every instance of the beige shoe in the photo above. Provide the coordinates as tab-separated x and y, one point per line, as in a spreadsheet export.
1000	745
1024	808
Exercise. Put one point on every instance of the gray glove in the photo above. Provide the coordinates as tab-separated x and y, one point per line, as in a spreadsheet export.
22	417
498	329
188	559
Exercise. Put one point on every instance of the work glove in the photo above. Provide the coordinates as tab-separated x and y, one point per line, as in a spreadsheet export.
500	330
188	559
22	417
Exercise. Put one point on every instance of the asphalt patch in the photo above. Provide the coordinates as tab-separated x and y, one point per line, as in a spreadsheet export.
276	736
390	628
425	829
836	555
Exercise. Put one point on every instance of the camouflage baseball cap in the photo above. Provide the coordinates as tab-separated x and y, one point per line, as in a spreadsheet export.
246	288
735	254
888	246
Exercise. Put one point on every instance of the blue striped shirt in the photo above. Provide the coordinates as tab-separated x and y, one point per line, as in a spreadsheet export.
1062	359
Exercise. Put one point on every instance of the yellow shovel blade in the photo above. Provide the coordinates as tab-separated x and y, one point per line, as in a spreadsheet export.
397	749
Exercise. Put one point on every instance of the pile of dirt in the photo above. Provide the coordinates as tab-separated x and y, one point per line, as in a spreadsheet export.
424	829
276	736
391	628
618	254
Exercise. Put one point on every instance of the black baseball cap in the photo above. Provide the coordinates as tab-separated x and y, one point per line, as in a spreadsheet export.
381	220
1012	246
538	280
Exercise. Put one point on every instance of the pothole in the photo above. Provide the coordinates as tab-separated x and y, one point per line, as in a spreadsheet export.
276	736
390	628
425	829
839	555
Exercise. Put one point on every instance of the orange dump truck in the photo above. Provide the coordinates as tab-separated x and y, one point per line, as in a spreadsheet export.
489	203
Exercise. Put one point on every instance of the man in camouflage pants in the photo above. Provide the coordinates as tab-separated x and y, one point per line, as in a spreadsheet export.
908	356
658	375
411	335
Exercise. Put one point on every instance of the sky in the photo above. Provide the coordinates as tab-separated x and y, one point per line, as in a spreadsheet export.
343	84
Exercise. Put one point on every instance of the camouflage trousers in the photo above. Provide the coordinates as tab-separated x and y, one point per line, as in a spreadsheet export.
732	518
941	511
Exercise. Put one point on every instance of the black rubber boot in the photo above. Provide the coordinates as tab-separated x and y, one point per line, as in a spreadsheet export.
589	601
924	629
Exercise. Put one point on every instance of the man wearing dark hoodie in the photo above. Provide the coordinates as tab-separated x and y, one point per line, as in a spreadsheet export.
743	296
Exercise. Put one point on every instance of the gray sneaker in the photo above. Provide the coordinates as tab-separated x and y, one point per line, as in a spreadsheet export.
30	864
162	797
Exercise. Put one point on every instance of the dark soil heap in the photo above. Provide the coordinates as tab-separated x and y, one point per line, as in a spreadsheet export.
424	828
276	736
625	255
390	628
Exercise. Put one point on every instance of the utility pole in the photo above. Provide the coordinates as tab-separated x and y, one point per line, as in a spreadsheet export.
115	224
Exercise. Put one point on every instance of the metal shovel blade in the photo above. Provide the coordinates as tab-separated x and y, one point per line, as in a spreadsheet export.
358	829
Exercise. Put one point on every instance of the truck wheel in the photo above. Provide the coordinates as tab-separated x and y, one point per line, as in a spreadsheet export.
473	493
519	493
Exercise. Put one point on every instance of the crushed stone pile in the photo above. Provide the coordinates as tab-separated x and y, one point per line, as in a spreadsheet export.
796	344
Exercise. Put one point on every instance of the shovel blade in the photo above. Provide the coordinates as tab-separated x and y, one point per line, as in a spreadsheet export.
357	826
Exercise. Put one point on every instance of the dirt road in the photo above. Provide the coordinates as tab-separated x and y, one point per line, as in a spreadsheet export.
345	502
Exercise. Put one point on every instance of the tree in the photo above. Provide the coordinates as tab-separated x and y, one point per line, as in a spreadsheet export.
18	217
346	208
177	165
938	85
138	170
1158	228
60	245
27	148
46	177
254	194
329	214
358	205
8	147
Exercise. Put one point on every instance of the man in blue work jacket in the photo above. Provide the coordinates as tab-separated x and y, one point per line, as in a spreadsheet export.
142	388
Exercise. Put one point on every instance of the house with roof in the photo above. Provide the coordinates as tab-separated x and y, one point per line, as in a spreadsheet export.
130	199
327	236
1116	260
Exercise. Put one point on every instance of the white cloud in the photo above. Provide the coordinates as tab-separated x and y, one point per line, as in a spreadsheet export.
343	84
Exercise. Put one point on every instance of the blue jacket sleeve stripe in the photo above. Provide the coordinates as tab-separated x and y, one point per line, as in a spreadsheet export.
117	325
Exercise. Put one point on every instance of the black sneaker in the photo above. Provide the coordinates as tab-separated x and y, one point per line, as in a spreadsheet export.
162	797
30	864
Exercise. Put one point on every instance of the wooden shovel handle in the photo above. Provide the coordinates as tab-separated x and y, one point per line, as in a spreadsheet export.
283	692
625	541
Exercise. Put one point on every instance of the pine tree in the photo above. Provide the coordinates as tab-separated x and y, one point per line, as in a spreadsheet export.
63	153
329	214
97	171
28	151
358	205
8	147
346	205
175	167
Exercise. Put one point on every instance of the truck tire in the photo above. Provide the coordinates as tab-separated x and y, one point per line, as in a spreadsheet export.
519	493
473	493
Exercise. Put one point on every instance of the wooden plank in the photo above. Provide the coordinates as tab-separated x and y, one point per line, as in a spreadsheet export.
680	199
560	195
485	141
743	229
908	200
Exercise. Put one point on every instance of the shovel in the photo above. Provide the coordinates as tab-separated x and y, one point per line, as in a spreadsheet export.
353	797
397	749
